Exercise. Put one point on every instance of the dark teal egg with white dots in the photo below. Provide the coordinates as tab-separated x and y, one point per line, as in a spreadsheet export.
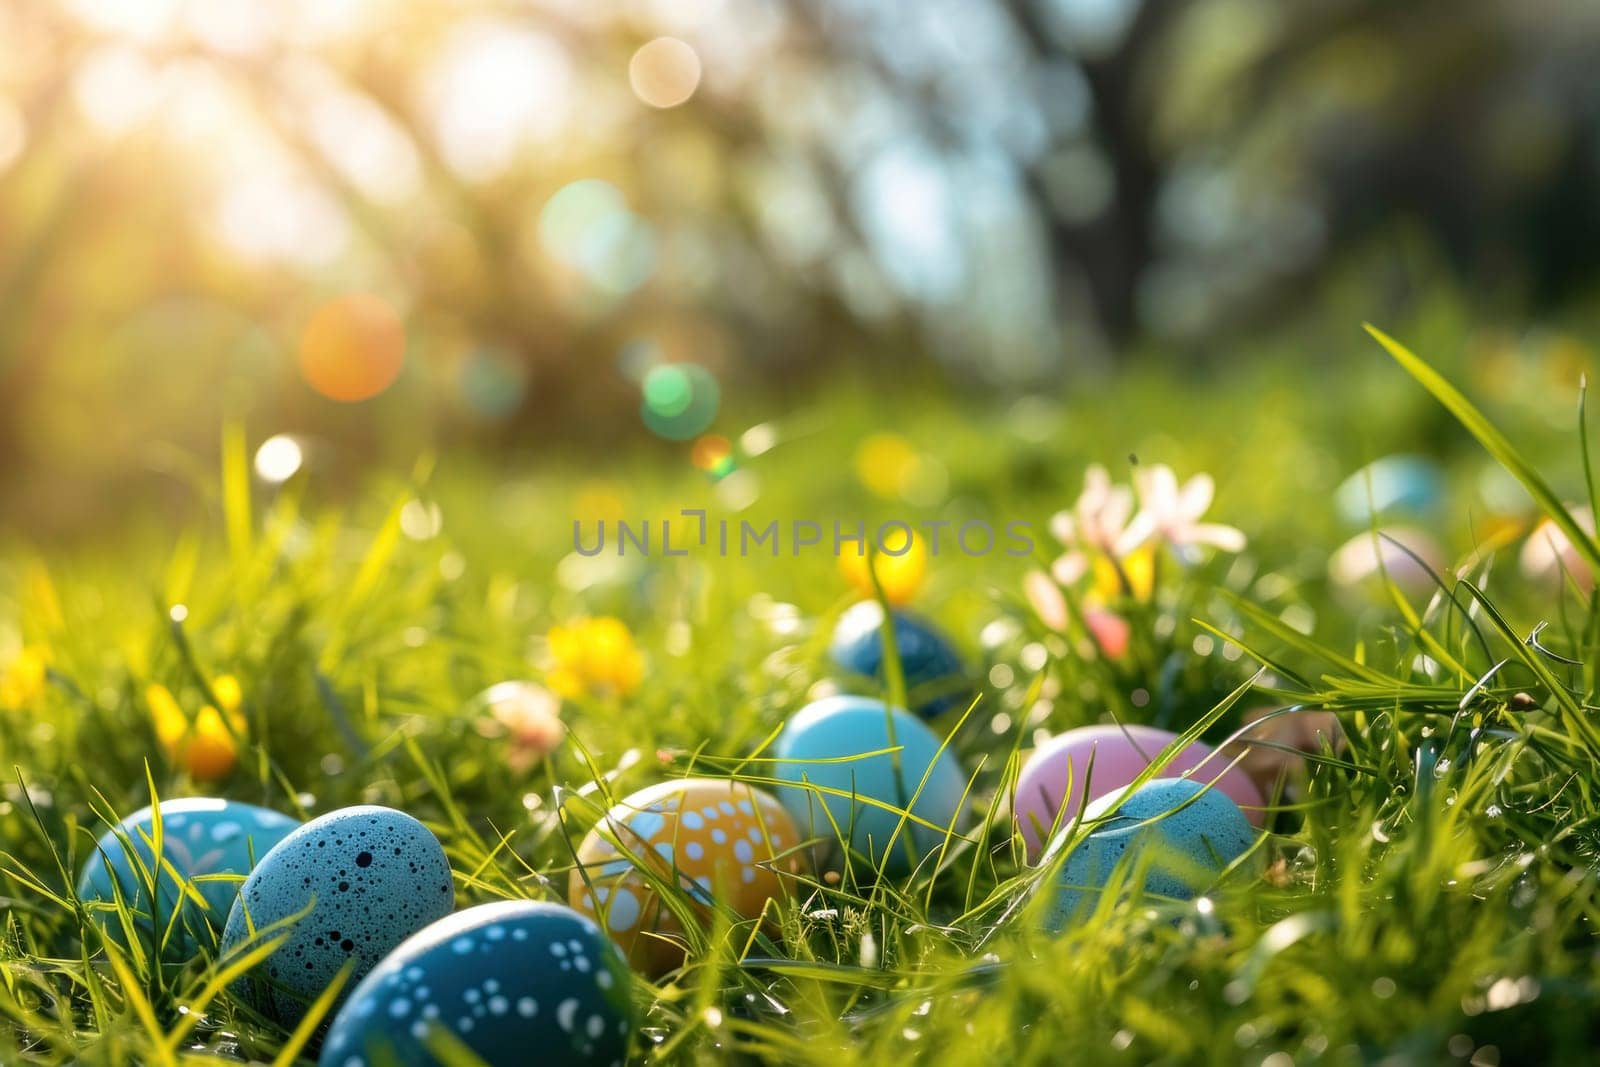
366	878
211	844
936	680
1178	832
515	982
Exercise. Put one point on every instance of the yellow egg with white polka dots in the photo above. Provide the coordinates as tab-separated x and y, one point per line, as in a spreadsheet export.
723	842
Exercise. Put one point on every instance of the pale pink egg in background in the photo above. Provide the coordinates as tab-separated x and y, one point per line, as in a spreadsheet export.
1120	754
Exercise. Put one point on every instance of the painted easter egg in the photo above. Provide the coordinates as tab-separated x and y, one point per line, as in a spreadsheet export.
1404	554
514	982
1410	484
1186	833
1549	557
1055	778
720	839
201	838
837	728
935	679
370	877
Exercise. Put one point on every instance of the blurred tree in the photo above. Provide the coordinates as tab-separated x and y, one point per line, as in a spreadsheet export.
554	198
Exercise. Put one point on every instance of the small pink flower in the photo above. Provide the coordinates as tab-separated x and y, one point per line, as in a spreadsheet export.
529	717
1111	632
1095	523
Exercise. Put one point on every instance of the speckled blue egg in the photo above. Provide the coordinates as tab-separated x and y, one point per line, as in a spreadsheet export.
845	726
516	982
936	680
200	838
371	877
1197	833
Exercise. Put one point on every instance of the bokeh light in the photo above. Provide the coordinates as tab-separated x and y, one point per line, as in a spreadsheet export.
587	226
352	348
680	400
759	439
664	72
600	501
142	20
713	454
884	463
891	467
279	458
496	87
493	382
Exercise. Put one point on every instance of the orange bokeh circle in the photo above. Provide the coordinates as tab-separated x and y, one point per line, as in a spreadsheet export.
352	348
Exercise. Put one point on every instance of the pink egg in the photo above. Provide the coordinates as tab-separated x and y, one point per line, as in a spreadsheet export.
1120	753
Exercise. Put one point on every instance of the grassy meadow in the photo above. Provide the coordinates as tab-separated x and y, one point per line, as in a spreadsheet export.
1424	892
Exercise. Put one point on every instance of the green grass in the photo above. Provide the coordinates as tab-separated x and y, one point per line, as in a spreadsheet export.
1430	897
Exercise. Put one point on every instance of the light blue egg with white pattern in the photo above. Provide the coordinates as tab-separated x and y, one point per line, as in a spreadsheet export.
515	982
210	843
1178	832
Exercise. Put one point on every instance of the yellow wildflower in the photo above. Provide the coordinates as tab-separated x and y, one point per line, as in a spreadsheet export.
595	655
23	679
208	747
900	575
1137	569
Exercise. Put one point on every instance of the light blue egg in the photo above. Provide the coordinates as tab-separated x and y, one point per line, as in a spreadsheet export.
936	680
845	726
201	838
1390	486
516	982
1195	834
370	877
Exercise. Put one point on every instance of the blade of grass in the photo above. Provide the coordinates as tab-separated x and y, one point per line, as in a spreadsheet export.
1493	441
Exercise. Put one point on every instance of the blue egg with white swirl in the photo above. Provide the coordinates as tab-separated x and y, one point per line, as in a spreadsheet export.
512	982
1178	832
210	843
936	680
347	888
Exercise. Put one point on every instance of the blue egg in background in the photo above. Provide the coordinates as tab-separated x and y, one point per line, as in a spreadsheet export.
516	982
936	679
201	837
1186	832
366	878
1393	485
843	726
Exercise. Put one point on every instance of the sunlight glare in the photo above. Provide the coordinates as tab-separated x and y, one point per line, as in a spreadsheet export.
232	27
116	87
13	133
143	20
277	216
495	88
